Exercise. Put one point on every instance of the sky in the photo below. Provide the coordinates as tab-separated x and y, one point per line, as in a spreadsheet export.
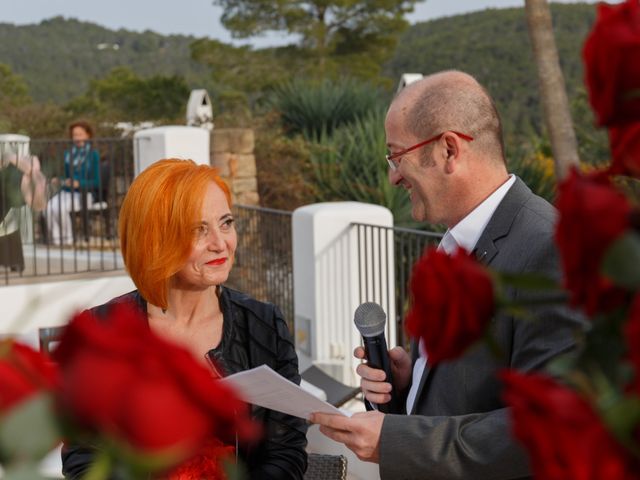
195	17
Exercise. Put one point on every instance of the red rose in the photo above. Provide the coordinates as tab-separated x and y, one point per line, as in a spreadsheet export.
120	379
612	69
592	215
561	432
23	372
632	339
625	149
208	463
452	303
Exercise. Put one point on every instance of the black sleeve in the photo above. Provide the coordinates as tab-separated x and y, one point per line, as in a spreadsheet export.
282	452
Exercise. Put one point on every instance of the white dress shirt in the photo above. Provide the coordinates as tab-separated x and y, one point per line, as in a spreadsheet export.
464	234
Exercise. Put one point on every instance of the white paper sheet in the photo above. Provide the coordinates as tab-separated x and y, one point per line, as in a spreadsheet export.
264	387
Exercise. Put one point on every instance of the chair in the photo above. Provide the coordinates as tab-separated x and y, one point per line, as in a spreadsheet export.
48	337
326	467
337	393
98	207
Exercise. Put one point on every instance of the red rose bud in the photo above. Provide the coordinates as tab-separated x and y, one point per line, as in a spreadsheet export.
625	149
593	214
564	436
121	379
452	303
612	72
23	372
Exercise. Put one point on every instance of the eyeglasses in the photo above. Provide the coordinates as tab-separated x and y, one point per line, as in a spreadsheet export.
394	164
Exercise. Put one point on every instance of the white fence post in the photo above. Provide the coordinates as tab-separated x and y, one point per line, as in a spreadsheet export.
337	266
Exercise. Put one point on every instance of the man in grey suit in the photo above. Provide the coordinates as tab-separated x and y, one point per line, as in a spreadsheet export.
445	139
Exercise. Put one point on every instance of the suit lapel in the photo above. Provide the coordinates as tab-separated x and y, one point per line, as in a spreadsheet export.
428	370
501	221
486	249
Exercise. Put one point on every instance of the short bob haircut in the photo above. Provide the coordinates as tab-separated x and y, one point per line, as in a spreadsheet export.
156	222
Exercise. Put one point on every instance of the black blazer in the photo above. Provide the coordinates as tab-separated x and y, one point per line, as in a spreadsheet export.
254	333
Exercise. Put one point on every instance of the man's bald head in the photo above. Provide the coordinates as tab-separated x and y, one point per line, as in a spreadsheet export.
452	100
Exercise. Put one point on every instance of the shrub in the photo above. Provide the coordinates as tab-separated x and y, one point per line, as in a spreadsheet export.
311	107
351	165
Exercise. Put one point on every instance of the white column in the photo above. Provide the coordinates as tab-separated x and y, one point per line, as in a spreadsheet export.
336	267
153	144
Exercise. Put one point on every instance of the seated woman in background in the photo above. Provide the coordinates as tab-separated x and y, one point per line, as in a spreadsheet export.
178	243
81	176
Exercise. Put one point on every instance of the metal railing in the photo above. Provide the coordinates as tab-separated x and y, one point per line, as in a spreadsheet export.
93	246
264	260
408	247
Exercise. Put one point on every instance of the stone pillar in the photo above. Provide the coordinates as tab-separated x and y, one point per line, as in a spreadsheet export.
232	154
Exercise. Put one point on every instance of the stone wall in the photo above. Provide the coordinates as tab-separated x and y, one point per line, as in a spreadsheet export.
232	154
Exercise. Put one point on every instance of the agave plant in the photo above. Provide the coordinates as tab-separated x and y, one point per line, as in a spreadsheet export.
351	165
311	107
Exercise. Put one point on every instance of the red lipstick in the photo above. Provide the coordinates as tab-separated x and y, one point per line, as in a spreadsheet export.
217	261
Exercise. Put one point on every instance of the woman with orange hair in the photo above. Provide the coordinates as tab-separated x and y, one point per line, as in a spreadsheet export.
178	242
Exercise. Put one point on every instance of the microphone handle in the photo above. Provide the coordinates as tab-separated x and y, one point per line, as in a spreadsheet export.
377	354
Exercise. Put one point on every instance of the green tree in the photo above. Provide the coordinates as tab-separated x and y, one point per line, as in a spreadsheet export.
123	95
241	75
13	88
553	93
340	36
593	142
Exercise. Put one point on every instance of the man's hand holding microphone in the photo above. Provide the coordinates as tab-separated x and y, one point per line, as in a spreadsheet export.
373	381
384	377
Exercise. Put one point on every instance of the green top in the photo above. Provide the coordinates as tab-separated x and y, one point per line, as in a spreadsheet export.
10	193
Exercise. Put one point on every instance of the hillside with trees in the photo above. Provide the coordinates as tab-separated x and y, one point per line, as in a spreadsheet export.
59	57
494	46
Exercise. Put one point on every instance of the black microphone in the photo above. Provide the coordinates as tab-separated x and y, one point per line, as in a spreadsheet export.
370	320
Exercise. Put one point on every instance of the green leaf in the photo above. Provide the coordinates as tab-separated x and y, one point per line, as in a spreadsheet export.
631	94
235	471
623	417
100	467
527	281
562	365
621	261
27	471
29	430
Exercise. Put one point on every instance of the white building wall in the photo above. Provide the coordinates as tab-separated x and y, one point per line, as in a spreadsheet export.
25	308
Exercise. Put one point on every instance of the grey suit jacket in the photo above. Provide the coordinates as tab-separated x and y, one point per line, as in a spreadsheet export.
459	428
